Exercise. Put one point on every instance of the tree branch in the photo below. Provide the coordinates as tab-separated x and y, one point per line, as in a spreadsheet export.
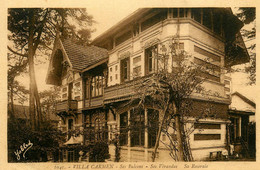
17	53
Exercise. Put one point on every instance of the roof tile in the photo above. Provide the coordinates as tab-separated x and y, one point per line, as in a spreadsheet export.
82	57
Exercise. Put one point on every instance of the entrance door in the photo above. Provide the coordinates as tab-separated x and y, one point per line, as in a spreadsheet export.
234	129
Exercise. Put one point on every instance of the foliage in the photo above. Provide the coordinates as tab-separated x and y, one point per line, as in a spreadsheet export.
18	91
45	141
16	66
48	100
248	15
46	23
33	30
169	88
99	152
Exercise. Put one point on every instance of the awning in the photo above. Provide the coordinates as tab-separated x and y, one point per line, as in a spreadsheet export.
74	140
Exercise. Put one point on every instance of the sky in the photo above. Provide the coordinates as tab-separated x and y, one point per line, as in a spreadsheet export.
104	16
107	15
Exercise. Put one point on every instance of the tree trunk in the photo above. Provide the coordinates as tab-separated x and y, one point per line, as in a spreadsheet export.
179	137
159	134
12	101
38	104
31	99
34	97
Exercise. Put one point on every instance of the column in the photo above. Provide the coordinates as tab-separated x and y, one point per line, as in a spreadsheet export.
118	123
146	135
128	138
128	133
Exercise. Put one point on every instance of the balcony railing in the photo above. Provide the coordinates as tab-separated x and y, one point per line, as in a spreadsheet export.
66	105
122	91
94	102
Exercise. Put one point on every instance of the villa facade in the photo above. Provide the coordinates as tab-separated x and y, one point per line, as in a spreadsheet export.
96	81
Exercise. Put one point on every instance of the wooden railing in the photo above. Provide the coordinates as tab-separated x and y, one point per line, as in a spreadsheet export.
66	105
94	102
122	91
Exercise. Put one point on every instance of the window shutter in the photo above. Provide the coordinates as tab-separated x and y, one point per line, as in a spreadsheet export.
128	68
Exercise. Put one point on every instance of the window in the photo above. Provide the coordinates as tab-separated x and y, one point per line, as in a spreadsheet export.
209	76
217	21
234	129
227	82
175	12
206	53
207	136
87	93
137	127
125	69
153	125
70	91
150	59
207	20
97	84
70	124
70	156
206	126
116	67
64	155
207	65
64	89
123	128
196	14
98	130
64	96
180	12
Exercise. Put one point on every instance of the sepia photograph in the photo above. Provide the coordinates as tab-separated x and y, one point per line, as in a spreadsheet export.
133	84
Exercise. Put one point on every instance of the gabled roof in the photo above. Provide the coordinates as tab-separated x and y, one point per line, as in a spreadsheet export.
79	58
245	99
82	57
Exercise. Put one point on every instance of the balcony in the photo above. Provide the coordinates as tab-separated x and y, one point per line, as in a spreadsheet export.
123	91
66	105
94	102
